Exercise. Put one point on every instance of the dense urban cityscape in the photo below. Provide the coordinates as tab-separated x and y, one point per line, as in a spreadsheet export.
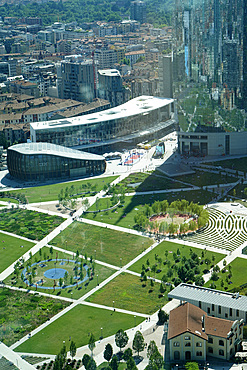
123	172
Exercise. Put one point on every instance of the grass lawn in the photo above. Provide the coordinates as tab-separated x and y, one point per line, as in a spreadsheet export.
78	323
130	293
124	215
239	164
159	252
29	224
101	243
100	274
50	192
238	278
11	249
20	313
141	181
201	178
11	200
104	365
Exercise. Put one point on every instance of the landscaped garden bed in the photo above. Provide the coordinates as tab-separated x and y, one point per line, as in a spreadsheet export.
30	224
20	313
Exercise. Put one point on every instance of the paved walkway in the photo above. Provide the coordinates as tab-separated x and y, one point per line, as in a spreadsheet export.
15	358
148	327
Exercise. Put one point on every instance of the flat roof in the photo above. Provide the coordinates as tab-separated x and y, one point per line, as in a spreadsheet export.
188	292
109	72
140	105
53	149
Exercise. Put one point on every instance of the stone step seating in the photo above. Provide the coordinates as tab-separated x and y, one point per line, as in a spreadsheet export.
223	231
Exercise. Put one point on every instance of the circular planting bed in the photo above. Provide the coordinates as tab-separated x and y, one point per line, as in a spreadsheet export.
48	274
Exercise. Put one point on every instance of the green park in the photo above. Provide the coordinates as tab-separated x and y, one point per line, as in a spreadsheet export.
91	256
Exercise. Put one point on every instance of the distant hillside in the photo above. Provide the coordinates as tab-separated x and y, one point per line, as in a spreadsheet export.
158	12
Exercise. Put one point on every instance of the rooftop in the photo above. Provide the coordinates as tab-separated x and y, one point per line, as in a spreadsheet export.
188	318
52	149
188	292
109	72
140	105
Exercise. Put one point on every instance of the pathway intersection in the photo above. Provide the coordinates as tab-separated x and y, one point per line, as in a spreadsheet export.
227	228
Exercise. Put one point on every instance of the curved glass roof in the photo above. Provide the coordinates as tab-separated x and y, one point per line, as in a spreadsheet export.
53	149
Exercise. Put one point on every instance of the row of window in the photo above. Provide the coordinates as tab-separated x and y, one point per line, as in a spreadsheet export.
211	350
219	310
187	344
198	353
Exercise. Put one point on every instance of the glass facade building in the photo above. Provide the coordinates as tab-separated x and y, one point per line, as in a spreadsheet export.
134	118
44	161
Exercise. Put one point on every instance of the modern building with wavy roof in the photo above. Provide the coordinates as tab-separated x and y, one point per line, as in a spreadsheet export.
44	161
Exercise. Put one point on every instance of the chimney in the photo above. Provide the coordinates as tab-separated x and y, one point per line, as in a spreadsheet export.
203	323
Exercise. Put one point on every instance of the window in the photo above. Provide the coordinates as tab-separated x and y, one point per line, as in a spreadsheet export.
176	344
221	342
176	355
212	307
208	310
199	353
200	304
210	340
221	352
230	313
237	313
187	344
219	309
210	350
187	337
198	344
226	315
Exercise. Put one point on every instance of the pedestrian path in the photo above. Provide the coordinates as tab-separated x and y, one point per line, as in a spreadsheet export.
112	227
15	358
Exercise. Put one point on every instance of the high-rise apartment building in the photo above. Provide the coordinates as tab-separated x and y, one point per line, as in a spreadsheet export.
77	80
110	87
138	11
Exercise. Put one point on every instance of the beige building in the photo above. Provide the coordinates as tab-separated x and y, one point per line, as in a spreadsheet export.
193	335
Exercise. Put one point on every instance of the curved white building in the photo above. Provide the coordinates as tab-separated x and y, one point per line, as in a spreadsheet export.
145	117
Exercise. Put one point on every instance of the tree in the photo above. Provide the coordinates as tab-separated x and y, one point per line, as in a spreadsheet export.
108	352
72	349
85	360
191	366
162	316
127	354
91	344
114	363
138	342
156	360
91	364
60	359
131	365
121	339
152	348
214	276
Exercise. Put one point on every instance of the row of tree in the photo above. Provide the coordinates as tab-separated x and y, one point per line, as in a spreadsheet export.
142	217
15	195
121	340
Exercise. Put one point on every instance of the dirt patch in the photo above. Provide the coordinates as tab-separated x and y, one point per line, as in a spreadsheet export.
177	219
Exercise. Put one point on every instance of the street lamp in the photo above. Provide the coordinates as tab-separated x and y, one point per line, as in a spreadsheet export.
95	254
101	330
120	262
135	319
97	279
113	305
